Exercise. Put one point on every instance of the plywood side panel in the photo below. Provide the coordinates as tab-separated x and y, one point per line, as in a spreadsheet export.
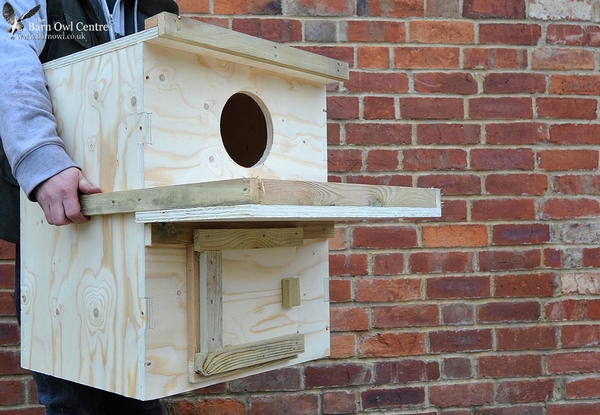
83	313
186	94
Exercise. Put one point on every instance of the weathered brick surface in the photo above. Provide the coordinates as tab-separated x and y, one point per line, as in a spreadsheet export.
492	308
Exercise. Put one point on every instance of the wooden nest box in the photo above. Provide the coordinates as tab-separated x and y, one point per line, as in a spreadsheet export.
206	257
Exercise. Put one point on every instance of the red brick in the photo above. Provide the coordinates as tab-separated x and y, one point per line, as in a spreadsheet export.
339	402
526	391
434	159
591	257
303	404
7	276
343	346
344	160
388	264
9	333
378	134
502	159
349	318
341	53
443	8
382	160
7	304
342	108
575	84
507	209
387	289
572	408
509	260
458	287
389	399
573	35
525	285
333	133
26	411
446	83
412	57
573	310
12	392
194	6
503	366
500	108
569	208
585	184
526	338
580	336
286	379
277	30
495	58
469	394
586	388
260	7
347	265
457	368
516	184
458	314
346	374
440	262
455	236
10	363
510	34
397	8
571	108
405	371
562	59
7	250
516	133
575	134
503	312
377	82
379	108
447	341
439	31
552	258
457	134
494	9
405	316
431	108
517	234
373	57
391	344
387	237
375	31
514	410
340	291
452	184
323	31
575	362
560	160
514	83
382	179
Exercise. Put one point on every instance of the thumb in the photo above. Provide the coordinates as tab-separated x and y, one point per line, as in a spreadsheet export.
86	187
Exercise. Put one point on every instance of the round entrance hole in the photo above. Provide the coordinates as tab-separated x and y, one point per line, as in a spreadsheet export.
245	130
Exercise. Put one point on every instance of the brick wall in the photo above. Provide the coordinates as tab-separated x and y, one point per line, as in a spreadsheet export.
494	309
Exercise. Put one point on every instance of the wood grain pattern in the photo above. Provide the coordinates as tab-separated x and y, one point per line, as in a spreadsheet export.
247	49
227	239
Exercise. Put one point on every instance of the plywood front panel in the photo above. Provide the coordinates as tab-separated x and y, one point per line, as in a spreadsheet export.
186	93
82	320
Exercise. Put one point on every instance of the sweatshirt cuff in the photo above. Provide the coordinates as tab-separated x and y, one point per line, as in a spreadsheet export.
41	164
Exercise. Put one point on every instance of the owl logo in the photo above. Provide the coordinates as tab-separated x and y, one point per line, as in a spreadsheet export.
16	24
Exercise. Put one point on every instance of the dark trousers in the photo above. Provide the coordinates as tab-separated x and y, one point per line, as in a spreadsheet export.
62	397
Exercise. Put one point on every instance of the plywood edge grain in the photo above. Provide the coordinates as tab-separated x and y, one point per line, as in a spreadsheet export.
252	50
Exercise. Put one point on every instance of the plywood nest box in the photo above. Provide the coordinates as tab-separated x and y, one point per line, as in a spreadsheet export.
206	257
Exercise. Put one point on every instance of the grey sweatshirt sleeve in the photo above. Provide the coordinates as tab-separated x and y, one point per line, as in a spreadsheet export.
27	126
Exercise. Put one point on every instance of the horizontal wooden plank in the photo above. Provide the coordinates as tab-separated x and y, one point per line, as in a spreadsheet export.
225	239
175	31
257	213
249	355
254	191
183	233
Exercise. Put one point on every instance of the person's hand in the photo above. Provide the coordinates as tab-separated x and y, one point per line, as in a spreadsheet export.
58	196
